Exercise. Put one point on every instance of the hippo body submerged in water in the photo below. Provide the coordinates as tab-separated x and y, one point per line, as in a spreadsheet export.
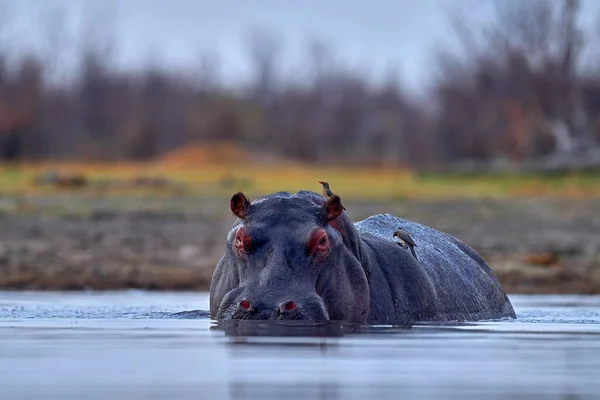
299	256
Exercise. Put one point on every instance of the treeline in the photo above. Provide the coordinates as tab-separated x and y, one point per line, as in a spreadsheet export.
519	92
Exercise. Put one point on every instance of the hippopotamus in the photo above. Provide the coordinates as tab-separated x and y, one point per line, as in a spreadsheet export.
300	257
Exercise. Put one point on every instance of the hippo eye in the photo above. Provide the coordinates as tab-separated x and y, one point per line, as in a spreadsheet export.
242	241
319	242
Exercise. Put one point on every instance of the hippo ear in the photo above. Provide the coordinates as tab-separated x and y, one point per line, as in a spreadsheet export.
239	204
334	207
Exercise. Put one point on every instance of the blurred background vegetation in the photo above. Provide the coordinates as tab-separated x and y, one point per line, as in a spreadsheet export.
522	93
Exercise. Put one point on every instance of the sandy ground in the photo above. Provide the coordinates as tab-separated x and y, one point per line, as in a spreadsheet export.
534	246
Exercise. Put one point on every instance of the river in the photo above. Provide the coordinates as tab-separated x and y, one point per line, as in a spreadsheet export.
134	344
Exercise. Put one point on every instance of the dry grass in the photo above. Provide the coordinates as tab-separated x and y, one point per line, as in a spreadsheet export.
219	180
217	171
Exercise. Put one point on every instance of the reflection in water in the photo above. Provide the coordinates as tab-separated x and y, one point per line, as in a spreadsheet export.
321	390
251	328
321	329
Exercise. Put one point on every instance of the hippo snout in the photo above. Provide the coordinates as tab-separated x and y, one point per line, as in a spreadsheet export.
287	308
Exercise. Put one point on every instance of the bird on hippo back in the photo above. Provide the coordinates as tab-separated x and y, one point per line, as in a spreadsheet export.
299	256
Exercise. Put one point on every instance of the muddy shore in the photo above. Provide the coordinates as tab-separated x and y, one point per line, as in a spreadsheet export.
533	245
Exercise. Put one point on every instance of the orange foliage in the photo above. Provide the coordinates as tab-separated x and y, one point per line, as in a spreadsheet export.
519	130
219	153
10	118
205	154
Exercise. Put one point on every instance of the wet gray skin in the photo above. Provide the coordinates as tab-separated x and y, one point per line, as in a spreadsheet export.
299	256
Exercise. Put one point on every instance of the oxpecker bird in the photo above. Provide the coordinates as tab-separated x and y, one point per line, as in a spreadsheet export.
405	238
326	189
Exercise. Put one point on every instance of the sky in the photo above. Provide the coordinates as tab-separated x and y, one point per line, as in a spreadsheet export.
375	36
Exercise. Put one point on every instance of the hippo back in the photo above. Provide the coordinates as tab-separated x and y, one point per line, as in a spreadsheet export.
465	286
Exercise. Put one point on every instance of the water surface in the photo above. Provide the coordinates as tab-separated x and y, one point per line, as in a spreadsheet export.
125	345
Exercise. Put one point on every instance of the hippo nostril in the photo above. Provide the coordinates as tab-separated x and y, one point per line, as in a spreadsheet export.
245	304
289	306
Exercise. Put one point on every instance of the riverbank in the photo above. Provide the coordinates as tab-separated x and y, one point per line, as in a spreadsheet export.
534	245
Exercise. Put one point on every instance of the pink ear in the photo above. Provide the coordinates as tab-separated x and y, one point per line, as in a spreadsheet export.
239	204
334	207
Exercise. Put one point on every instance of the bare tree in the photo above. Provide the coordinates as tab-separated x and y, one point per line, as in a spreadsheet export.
522	80
264	50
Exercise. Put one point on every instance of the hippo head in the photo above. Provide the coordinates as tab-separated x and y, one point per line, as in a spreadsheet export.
290	257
